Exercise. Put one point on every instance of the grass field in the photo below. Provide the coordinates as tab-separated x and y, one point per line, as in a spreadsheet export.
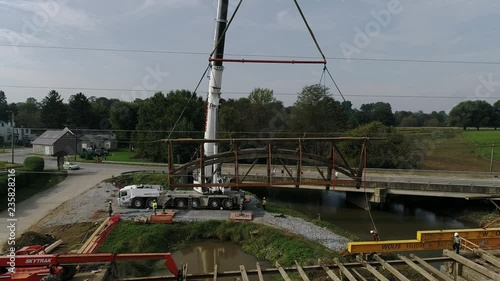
123	156
484	141
457	150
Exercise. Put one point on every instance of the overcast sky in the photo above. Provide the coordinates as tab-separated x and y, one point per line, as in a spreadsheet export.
443	30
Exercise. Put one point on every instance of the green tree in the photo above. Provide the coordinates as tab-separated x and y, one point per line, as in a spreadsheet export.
315	111
386	148
472	114
261	96
54	111
123	117
79	110
379	111
156	118
100	112
496	115
28	114
4	107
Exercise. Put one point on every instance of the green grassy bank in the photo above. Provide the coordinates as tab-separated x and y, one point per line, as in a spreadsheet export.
261	241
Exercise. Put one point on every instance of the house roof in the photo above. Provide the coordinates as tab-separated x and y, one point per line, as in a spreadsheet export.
49	137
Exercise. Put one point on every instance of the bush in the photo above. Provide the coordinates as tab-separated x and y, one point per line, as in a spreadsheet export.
34	163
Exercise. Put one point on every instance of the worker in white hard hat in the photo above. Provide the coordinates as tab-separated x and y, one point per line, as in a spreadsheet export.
264	203
456	242
375	235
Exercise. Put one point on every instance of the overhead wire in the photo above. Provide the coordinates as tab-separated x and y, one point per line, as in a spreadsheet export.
240	93
176	52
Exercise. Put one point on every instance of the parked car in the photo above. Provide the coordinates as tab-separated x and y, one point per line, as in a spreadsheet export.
70	166
101	152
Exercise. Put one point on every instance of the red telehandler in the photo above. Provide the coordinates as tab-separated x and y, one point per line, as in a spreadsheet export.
57	267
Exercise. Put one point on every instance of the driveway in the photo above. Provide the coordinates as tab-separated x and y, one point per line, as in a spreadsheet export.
35	208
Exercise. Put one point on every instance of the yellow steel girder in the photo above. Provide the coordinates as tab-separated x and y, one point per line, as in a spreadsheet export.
411	245
469	234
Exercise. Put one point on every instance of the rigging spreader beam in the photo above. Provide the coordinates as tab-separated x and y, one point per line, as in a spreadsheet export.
269	61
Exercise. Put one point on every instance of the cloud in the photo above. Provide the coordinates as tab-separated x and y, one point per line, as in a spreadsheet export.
50	14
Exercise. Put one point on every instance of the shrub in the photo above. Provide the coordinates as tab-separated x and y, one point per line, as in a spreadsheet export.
34	163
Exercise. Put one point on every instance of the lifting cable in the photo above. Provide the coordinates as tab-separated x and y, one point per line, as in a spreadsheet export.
310	30
205	72
363	153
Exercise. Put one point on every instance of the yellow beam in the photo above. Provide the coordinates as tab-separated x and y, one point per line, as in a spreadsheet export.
410	245
469	234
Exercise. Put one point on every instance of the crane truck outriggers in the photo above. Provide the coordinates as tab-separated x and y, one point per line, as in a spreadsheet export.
141	196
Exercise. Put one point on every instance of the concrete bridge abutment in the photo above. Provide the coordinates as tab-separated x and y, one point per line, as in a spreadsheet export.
366	200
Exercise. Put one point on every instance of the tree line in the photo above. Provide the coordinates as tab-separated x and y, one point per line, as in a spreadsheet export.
140	123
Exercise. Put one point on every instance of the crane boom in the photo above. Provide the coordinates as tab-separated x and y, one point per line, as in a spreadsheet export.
214	90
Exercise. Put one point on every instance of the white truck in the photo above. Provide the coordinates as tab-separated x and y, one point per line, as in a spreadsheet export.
140	195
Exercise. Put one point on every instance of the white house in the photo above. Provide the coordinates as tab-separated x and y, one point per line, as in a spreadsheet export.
20	134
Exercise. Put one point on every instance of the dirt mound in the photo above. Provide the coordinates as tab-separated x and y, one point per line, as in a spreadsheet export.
34	238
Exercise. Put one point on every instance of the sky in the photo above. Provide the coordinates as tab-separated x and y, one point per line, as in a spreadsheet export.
424	55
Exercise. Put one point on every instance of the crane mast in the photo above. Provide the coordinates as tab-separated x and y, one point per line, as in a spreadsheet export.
214	90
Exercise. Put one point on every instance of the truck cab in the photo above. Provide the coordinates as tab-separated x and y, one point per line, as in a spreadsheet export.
140	195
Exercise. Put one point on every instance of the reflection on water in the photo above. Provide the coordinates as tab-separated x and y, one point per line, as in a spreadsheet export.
202	257
397	221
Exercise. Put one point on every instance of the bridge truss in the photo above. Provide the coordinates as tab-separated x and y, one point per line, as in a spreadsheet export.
289	155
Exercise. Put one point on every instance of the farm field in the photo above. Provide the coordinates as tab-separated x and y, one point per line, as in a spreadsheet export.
457	150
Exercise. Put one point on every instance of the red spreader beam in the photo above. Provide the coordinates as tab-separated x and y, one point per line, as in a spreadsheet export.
270	61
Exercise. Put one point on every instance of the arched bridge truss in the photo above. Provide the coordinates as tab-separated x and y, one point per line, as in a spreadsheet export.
283	159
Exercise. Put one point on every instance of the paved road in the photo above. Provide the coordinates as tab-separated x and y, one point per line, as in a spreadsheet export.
35	208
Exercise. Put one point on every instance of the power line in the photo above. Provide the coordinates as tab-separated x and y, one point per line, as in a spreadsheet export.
175	52
241	93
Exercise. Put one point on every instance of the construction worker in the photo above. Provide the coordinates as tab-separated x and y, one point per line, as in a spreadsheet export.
155	206
264	203
375	235
110	208
456	243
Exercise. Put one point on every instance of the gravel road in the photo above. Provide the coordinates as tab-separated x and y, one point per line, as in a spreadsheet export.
91	206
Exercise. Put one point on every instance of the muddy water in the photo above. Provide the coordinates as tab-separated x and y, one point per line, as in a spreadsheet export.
203	256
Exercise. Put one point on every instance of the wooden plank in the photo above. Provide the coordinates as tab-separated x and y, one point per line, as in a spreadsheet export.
418	268
52	246
215	272
301	272
389	267
431	268
481	269
360	277
259	272
344	270
282	272
488	257
375	272
244	276
331	274
90	243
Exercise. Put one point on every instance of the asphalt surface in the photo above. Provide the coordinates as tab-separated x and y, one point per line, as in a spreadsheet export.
35	208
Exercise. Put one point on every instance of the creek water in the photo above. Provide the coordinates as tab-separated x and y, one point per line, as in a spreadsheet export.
201	257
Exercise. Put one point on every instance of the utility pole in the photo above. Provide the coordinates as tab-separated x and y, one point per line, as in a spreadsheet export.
492	153
12	137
